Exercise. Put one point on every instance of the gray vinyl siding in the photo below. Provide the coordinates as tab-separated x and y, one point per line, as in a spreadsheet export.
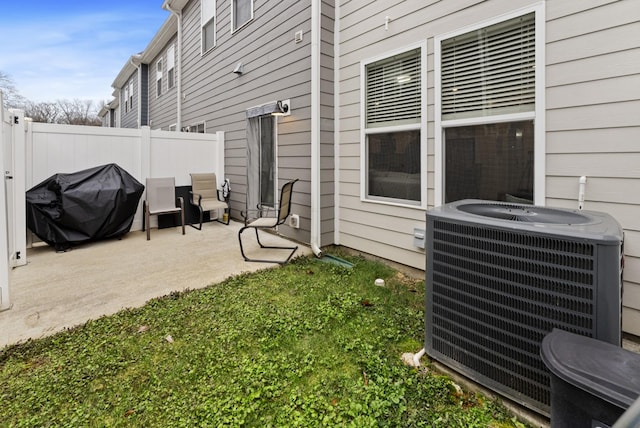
163	110
592	101
593	126
130	117
275	68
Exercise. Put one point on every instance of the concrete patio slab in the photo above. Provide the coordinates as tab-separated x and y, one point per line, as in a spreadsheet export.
55	291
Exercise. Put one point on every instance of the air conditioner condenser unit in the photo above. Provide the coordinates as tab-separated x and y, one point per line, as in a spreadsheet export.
500	276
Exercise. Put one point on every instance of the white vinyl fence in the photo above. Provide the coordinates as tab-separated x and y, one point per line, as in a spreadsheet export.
143	153
32	152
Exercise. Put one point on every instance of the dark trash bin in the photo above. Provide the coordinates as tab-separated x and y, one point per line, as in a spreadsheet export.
88	205
592	382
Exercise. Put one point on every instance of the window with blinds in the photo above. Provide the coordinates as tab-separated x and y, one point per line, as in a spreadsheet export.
171	62
208	24
159	78
126	99
489	71
393	91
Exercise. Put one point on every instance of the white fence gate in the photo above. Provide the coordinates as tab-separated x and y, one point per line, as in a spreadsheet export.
12	206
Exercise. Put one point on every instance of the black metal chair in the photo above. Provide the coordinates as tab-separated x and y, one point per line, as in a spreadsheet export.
266	221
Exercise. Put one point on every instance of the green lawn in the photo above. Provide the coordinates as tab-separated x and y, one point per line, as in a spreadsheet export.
308	344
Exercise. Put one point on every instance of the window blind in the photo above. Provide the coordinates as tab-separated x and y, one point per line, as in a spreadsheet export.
207	10
393	90
489	71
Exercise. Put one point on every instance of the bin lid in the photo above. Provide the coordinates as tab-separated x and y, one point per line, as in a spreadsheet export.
604	370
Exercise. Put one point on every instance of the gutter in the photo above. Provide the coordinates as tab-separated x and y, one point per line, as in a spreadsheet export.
178	14
315	126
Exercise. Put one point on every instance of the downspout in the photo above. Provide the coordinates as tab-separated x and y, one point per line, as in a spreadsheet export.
135	61
315	127
336	121
178	14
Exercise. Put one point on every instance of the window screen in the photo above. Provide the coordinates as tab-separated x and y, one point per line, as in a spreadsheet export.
242	12
491	162
394	165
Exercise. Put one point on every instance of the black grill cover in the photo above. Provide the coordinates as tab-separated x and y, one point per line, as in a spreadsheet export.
96	203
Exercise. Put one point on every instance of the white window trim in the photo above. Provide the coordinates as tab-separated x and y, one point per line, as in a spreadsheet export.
204	20
233	29
538	115
422	126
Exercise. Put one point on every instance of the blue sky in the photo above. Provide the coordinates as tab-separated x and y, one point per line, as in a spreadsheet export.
73	49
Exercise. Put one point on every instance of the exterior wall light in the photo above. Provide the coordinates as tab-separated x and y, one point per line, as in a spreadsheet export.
283	108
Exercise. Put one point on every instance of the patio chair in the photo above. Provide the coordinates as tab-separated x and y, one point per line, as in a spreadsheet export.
161	199
266	221
206	196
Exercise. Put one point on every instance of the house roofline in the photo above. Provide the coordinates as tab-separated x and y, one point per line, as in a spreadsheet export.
174	4
168	30
125	73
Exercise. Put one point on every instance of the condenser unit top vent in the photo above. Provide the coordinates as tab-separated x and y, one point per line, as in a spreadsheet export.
536	219
526	213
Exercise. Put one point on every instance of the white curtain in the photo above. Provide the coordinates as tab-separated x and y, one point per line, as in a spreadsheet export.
253	162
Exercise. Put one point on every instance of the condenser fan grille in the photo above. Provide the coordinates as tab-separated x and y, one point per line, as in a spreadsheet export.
495	293
523	213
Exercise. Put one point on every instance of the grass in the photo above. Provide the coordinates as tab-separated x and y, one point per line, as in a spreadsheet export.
308	344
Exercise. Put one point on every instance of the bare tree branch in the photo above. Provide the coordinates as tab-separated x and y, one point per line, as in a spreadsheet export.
11	96
78	112
42	112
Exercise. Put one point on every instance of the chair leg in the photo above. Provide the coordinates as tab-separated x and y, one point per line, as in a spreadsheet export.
200	220
282	262
146	217
144	211
181	212
240	241
222	221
